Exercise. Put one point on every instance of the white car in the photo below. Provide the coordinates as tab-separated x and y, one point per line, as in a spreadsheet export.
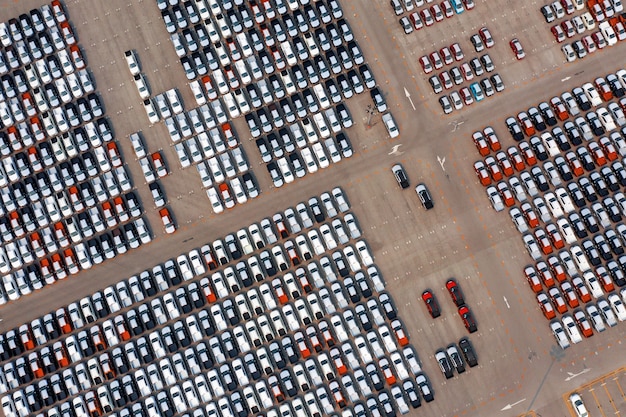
391	126
132	62
559	334
216	202
578	405
142	86
571	329
364	253
495	198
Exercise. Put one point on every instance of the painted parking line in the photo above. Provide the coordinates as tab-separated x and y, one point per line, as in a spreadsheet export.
605	391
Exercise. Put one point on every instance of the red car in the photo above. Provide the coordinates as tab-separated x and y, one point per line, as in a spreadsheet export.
581	289
494	169
603	88
304	349
482	173
338	362
574	163
557	268
530	215
492	138
63	321
455	292
527	125
485	35
481	143
401	335
570	295
468	319
583	323
558	33
277	284
207	289
557	300
431	304
555	236
609	148
516	158
532	278
427	66
26	337
545	306
384	365
517	49
527	153
505	164
545	274
506	194
543	241
597	153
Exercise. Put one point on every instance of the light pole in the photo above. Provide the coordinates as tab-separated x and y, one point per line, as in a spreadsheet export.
371	110
556	353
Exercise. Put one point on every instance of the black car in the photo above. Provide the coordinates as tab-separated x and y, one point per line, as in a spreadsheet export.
400	174
411	393
316	209
514	129
578	225
538	148
468	352
424	196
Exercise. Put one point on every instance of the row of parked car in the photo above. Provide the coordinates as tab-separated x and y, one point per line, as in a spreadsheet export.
258	236
605	312
579	100
110	367
606	36
587	177
428	15
281	385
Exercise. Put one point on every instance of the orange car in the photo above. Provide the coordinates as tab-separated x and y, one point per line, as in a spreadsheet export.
63	321
277	285
494	168
122	328
583	323
383	363
505	164
557	300
597	153
114	154
26	337
338	362
546	306
527	153
60	354
304	349
545	274
516	158
482	173
532	278
570	295
581	289
557	268
401	335
207	289
481	143
77	57
35	365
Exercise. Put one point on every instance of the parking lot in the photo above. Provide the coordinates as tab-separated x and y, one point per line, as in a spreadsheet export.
414	250
603	396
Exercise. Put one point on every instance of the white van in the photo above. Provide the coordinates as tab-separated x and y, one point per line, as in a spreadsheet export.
288	53
321	96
